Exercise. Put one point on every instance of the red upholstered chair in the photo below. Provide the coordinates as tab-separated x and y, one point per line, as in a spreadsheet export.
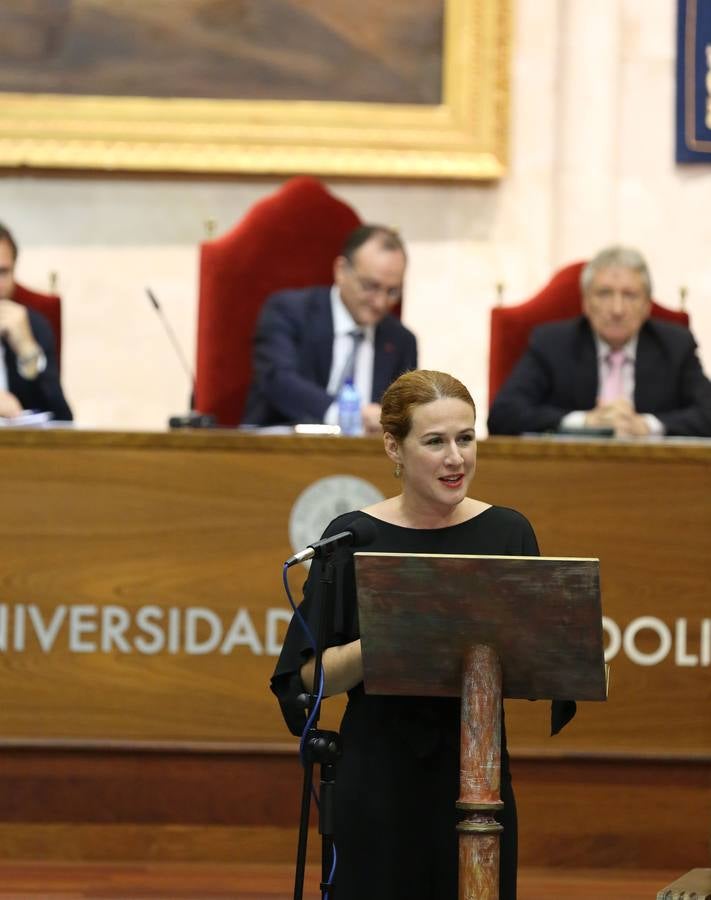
288	240
50	305
559	299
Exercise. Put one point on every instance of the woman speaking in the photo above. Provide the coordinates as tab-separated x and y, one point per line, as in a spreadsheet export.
398	779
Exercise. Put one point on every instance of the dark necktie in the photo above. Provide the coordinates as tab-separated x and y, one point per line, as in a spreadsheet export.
348	373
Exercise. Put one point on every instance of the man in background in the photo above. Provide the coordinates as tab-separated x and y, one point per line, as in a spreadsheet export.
29	373
614	367
309	341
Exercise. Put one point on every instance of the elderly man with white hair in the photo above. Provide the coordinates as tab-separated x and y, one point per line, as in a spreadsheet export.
613	367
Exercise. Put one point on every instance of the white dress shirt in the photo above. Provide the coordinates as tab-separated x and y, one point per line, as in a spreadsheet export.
576	419
343	325
3	368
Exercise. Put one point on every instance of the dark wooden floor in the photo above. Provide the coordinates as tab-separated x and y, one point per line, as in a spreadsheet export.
80	881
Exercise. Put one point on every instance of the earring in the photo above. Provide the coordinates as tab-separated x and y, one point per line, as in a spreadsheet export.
398	470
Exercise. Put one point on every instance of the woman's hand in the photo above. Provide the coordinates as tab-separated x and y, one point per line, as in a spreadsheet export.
10	406
342	669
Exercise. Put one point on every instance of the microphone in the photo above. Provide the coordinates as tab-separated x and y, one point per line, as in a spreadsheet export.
362	531
193	419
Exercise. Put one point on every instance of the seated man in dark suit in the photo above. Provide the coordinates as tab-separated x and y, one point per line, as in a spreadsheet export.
29	373
306	340
613	367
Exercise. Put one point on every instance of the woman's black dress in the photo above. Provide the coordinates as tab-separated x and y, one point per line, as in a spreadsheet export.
398	779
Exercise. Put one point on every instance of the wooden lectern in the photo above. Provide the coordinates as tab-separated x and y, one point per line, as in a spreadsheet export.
483	628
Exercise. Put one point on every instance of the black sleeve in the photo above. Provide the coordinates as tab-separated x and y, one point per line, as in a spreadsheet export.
342	628
562	711
522	539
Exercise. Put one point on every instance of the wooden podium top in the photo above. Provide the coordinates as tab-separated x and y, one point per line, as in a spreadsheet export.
419	615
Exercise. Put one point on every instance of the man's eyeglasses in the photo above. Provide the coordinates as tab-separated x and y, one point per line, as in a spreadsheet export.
372	288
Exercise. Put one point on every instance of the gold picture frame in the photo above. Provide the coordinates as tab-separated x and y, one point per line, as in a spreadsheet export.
464	137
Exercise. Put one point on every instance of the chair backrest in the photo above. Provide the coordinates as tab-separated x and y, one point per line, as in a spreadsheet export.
50	305
561	298
288	240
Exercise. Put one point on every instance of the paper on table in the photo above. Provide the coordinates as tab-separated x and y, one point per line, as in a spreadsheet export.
27	418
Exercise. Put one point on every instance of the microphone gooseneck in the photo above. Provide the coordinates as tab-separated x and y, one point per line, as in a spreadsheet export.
173	339
361	532
193	419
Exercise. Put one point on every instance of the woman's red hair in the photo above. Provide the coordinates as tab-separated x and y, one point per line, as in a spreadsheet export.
415	389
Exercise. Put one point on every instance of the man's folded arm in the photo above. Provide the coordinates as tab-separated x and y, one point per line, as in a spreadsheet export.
47	384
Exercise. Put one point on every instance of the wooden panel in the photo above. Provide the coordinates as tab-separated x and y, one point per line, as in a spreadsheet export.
97	524
165	523
245	807
167	843
612	813
254	881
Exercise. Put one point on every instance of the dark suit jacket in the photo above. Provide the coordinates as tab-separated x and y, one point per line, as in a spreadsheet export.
44	393
559	373
293	349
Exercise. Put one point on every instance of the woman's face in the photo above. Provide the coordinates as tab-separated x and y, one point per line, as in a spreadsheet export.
438	456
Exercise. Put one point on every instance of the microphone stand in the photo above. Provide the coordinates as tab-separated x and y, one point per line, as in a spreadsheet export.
193	419
323	747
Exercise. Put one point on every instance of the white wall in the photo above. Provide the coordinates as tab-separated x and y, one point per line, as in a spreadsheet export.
591	163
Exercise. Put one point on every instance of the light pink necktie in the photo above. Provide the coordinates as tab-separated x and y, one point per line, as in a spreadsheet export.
611	389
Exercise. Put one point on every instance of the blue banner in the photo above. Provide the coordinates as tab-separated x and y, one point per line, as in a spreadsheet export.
693	81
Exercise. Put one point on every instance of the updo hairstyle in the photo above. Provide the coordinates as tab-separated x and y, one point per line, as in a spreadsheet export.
415	389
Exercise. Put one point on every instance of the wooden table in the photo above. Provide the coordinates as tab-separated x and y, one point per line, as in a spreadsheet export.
141	603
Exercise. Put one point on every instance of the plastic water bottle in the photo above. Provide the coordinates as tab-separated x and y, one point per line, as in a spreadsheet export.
350	420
